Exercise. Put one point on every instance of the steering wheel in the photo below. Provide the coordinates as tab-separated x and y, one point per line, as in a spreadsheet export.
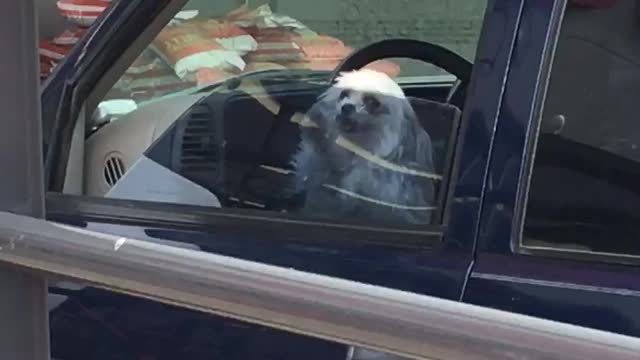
417	50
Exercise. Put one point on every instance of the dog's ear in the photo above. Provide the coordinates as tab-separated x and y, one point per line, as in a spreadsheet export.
323	108
329	95
415	141
319	106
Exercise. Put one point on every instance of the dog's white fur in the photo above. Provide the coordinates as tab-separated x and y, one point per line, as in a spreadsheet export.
381	121
369	81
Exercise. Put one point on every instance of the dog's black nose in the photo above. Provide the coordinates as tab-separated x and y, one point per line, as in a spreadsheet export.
348	109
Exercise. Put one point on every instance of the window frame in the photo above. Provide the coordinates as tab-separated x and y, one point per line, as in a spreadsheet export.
80	209
63	96
524	183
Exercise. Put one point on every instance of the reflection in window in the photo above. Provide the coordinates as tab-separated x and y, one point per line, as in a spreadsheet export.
210	41
230	107
585	191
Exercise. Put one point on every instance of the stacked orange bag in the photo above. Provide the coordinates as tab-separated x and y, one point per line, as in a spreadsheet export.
80	14
285	42
204	50
321	52
50	55
326	53
275	36
147	78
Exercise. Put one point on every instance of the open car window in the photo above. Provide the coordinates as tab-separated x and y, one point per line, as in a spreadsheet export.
233	107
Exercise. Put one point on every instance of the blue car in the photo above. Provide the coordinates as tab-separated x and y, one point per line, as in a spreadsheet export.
177	121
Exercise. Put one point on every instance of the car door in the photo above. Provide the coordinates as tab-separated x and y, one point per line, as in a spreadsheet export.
136	148
559	237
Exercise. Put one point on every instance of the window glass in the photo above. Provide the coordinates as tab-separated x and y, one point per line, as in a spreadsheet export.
294	34
61	24
585	187
229	106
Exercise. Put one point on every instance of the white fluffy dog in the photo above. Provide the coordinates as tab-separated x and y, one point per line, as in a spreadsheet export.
364	155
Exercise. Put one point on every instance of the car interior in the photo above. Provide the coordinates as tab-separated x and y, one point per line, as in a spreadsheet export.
254	171
255	115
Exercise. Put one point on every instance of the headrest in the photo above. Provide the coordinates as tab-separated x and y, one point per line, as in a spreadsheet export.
439	120
435	117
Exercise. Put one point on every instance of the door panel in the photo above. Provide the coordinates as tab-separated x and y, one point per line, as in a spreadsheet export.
99	324
558	276
605	297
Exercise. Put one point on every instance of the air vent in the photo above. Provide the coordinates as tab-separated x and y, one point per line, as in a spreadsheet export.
113	169
196	148
200	146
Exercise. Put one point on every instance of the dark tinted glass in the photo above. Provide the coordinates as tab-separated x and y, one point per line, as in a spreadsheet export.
585	189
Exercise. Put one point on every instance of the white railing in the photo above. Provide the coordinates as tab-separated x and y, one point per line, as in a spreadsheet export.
392	321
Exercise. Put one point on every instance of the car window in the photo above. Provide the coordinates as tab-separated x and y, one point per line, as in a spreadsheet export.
585	186
232	107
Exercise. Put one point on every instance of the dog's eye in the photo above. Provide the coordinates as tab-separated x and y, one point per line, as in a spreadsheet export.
371	103
344	94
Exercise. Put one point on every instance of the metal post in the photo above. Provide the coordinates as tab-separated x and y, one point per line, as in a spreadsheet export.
24	328
386	320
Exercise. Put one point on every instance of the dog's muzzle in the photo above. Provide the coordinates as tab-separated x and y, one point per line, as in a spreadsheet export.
347	109
345	119
347	124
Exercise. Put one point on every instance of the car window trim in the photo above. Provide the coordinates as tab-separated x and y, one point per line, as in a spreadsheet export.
76	209
79	210
517	241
